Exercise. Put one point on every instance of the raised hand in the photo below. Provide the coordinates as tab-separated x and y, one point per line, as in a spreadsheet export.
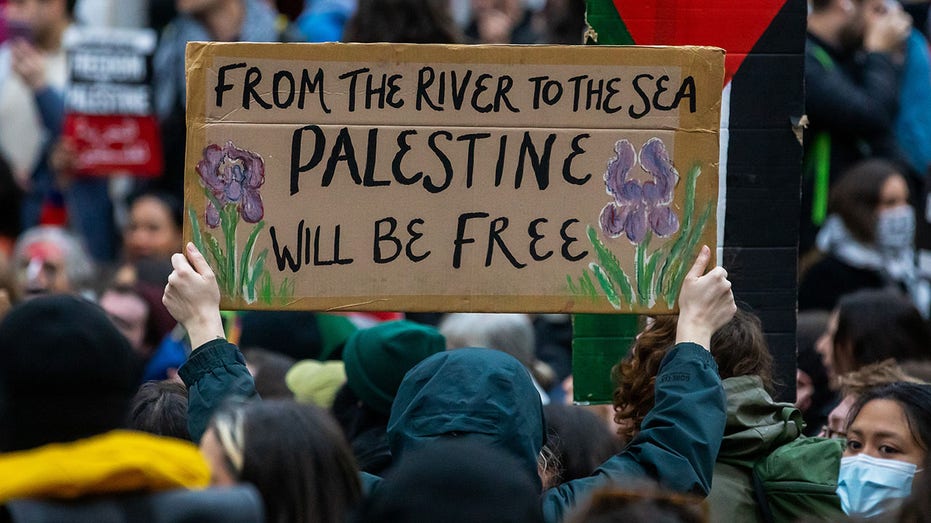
192	296
705	302
886	28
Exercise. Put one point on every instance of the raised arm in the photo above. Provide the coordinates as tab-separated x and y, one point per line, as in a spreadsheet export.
680	437
216	369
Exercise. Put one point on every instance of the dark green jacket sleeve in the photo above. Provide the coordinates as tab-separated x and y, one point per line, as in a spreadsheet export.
214	372
678	441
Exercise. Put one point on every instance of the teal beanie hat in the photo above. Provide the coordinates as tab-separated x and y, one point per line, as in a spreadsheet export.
377	359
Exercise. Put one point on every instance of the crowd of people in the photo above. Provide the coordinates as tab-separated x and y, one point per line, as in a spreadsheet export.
127	394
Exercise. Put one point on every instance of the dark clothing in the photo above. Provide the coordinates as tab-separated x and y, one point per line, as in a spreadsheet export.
489	396
239	504
829	279
854	98
456	480
851	101
365	429
214	372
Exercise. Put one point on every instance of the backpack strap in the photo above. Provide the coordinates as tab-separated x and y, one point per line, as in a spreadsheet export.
762	502
822	56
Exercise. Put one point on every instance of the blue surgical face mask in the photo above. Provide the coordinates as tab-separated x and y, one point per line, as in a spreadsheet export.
869	486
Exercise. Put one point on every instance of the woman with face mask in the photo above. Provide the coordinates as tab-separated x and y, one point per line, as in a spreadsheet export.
867	240
887	441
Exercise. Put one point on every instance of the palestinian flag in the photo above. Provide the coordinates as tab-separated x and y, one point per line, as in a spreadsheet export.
761	150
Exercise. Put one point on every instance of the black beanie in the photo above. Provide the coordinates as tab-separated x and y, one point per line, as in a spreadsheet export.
66	373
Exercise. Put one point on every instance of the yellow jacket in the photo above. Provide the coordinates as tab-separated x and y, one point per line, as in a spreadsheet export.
116	462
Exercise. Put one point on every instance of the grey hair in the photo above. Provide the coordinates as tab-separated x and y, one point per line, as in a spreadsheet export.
78	264
509	333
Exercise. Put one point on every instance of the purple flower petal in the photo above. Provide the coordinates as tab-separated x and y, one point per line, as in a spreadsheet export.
233	175
212	216
252	165
233	190
663	221
208	167
636	225
655	160
652	194
630	193
619	167
612	219
251	208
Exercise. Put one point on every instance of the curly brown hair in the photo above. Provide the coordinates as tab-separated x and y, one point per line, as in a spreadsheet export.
738	348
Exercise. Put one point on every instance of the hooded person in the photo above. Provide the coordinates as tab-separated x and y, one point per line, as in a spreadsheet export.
488	397
376	360
457	480
66	383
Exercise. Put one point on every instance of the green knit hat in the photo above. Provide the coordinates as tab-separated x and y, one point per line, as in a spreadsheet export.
377	359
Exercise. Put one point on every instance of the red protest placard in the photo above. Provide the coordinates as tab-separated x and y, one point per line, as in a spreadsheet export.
108	102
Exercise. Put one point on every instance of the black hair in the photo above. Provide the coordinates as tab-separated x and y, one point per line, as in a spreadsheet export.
579	439
170	201
820	5
877	324
365	425
297	458
269	370
160	408
915	400
855	196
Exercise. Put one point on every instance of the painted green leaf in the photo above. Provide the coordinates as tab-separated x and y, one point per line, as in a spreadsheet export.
245	266
586	286
684	264
257	270
606	285
197	236
265	288
571	285
666	273
213	247
611	266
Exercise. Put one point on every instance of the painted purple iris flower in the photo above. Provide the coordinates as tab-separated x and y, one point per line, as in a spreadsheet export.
232	175
639	207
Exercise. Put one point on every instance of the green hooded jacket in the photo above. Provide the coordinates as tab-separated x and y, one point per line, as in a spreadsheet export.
756	426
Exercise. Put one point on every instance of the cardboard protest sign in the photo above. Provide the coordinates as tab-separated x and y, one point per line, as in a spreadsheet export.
761	153
451	178
109	112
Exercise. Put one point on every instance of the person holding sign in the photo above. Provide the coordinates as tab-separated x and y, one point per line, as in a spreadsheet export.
492	395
